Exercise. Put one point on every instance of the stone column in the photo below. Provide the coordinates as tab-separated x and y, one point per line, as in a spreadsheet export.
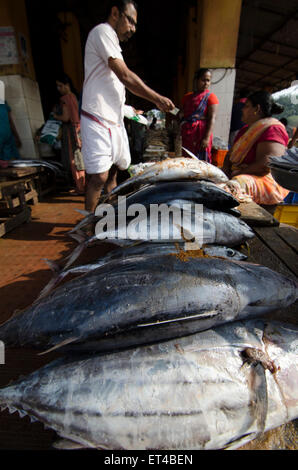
18	75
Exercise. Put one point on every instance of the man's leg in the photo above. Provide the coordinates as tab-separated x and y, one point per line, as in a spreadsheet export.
93	190
111	182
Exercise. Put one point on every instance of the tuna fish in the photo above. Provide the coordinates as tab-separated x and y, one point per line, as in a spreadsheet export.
212	390
209	227
174	169
214	227
200	192
203	192
134	302
133	252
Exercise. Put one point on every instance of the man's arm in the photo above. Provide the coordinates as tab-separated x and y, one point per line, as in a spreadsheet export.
260	167
136	86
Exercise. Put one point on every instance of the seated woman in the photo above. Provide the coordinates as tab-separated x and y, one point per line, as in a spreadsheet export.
199	113
262	136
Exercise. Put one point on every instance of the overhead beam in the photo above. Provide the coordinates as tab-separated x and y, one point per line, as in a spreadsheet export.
268	36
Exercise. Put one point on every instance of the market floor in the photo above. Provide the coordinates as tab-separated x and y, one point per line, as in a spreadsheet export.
24	273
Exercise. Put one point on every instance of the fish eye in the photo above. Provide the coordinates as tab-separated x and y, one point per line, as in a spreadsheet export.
230	252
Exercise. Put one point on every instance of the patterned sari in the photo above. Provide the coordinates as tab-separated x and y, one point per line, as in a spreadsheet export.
262	189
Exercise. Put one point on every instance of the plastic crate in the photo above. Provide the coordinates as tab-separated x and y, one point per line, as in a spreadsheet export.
218	157
287	214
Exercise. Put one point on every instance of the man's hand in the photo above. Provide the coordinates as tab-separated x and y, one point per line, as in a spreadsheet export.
164	104
204	143
136	86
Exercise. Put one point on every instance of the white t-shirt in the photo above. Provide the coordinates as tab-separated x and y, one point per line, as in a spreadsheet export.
103	92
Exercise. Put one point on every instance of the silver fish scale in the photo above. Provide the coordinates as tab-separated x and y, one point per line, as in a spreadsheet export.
191	393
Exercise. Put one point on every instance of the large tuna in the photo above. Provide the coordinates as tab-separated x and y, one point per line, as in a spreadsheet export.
174	169
205	227
215	389
134	252
133	302
199	192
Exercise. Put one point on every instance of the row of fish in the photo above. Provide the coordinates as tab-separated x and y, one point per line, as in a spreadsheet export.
219	222
162	348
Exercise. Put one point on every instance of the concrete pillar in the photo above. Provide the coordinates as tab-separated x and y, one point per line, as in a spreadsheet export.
219	26
18	74
71	49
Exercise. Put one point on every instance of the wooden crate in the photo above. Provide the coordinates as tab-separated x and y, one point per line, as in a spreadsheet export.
9	223
15	194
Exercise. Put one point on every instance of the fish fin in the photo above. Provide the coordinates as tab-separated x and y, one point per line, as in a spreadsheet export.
53	265
241	442
67	444
79	237
59	345
74	256
83	212
190	153
33	419
11	409
50	286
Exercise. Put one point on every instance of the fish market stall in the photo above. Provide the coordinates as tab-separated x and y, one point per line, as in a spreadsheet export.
157	345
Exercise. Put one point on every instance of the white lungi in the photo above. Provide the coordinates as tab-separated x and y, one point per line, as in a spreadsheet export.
104	145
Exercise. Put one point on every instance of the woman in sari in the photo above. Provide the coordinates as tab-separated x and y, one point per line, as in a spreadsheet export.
71	142
262	136
199	113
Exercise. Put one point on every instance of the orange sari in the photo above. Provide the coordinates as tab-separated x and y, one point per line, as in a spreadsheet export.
262	189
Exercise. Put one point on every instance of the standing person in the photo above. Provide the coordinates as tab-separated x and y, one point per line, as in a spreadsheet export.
247	164
199	113
71	141
105	144
9	137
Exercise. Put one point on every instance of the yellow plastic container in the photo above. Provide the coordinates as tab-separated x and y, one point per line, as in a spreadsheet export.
287	214
218	157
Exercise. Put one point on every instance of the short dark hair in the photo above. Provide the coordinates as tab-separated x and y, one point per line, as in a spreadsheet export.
120	4
66	80
200	72
244	92
266	102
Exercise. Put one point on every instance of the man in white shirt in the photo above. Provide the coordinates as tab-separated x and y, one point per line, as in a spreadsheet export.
104	139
